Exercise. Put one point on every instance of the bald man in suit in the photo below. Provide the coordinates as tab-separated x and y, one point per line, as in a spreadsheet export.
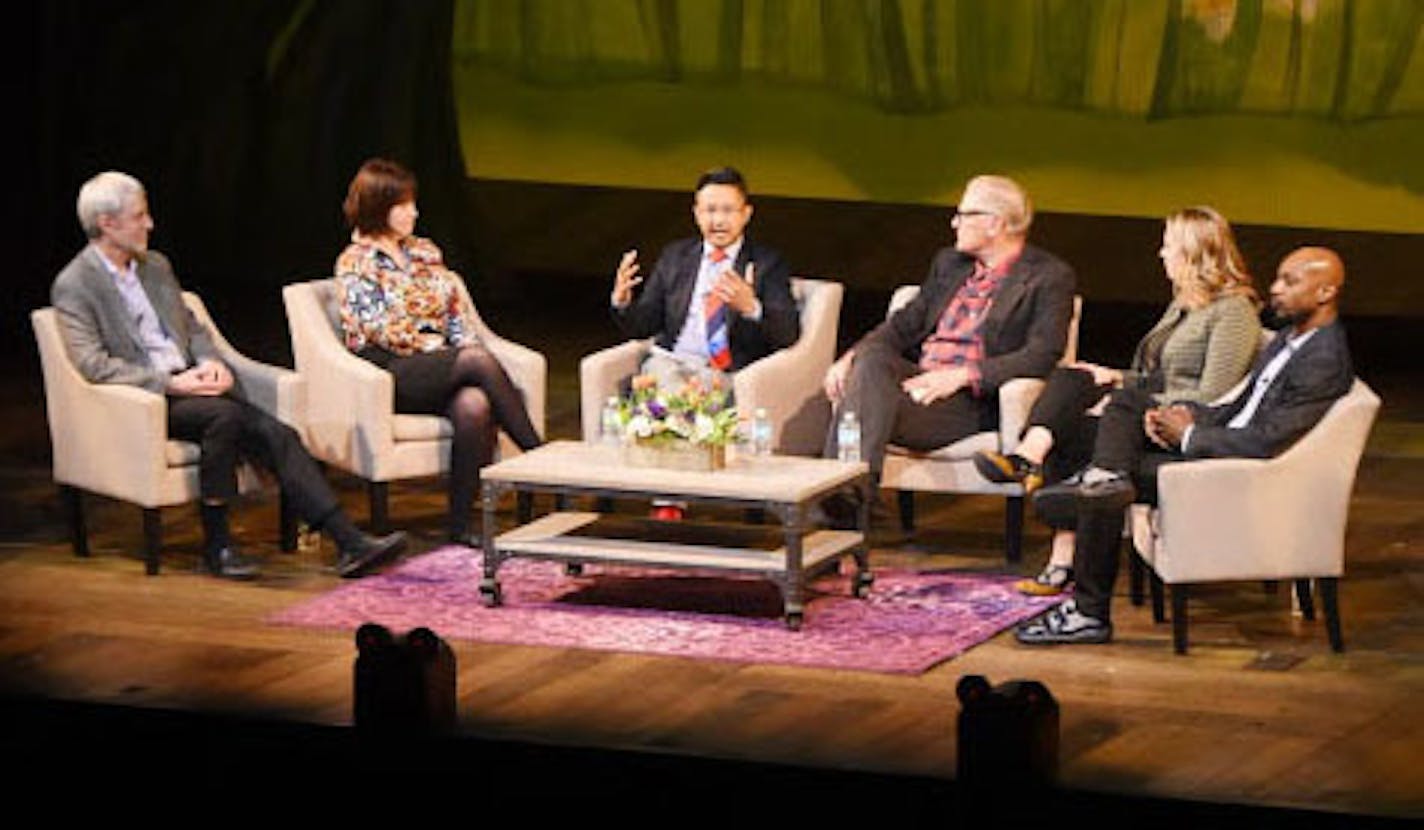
1294	381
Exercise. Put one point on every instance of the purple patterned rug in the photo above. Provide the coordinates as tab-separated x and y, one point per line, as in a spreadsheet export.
909	622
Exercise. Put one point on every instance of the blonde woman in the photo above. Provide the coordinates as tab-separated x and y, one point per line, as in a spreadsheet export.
1201	347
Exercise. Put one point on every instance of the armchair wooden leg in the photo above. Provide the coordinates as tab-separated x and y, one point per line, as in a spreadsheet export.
1302	596
1330	600
1136	578
72	499
1158	597
152	540
524	507
1159	613
1013	529
380	507
1179	618
287	520
906	500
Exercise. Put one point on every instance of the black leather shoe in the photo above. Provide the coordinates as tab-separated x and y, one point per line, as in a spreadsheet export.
371	552
1112	494
229	564
1057	505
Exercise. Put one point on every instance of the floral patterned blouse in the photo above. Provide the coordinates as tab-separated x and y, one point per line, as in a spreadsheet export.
402	309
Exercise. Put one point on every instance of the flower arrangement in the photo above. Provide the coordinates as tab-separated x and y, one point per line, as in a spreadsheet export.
697	413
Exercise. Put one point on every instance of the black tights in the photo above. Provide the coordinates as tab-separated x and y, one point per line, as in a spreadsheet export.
482	400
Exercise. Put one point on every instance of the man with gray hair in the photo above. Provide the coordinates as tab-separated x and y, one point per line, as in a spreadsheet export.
123	320
992	308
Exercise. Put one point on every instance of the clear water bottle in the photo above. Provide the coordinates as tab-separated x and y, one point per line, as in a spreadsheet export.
848	438
761	432
610	430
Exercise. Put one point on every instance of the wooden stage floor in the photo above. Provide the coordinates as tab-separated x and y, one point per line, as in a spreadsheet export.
1260	714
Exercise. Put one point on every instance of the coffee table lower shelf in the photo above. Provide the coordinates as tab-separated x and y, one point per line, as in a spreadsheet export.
554	537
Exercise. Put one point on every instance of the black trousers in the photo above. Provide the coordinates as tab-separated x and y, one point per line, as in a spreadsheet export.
228	430
1122	445
888	415
1062	409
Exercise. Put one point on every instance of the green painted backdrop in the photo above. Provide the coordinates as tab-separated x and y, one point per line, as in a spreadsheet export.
1305	113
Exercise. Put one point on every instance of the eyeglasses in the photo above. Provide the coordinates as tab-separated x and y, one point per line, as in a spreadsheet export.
959	215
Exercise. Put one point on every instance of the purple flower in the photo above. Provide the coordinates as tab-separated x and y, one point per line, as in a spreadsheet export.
656	409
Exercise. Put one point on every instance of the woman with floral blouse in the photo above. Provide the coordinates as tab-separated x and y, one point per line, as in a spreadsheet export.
402	309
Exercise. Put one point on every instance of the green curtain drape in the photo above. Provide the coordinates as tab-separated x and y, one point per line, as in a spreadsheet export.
1345	60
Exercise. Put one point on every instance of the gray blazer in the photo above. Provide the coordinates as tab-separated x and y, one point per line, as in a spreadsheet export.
101	337
1205	354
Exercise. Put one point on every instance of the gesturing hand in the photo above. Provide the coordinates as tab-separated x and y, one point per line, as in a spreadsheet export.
736	291
625	278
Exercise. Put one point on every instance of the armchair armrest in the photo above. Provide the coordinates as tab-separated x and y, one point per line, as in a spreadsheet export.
279	392
782	383
110	439
599	374
1016	399
529	370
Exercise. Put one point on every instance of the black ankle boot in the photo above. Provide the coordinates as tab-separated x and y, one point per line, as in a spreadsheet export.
220	558
357	552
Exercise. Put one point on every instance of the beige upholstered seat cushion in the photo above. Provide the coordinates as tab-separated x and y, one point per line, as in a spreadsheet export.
421	428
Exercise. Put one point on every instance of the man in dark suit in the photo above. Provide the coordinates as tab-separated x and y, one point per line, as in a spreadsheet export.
1291	386
123	320
718	302
992	308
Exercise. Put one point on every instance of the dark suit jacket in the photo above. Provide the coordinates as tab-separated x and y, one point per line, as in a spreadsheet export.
101	336
1025	330
1314	377
660	309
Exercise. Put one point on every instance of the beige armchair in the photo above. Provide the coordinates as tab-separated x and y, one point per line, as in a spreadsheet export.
351	421
786	383
950	469
112	439
1283	518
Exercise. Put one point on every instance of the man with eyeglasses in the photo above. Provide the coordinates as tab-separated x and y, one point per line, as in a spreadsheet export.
714	302
993	308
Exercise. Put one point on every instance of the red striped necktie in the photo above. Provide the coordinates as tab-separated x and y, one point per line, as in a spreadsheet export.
719	348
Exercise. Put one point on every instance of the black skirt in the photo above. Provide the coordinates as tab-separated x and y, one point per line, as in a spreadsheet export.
422	379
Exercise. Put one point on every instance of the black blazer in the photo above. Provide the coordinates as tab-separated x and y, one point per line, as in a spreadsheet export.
660	309
1297	399
1025	330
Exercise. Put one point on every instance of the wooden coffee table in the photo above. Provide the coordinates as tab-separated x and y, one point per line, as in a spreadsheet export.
785	486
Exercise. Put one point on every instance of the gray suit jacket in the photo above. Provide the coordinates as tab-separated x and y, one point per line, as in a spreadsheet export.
99	333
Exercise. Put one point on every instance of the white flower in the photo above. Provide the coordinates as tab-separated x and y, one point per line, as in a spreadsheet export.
640	426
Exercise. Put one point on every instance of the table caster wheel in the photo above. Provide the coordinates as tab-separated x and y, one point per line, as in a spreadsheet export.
863	584
573	569
794	620
491	597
